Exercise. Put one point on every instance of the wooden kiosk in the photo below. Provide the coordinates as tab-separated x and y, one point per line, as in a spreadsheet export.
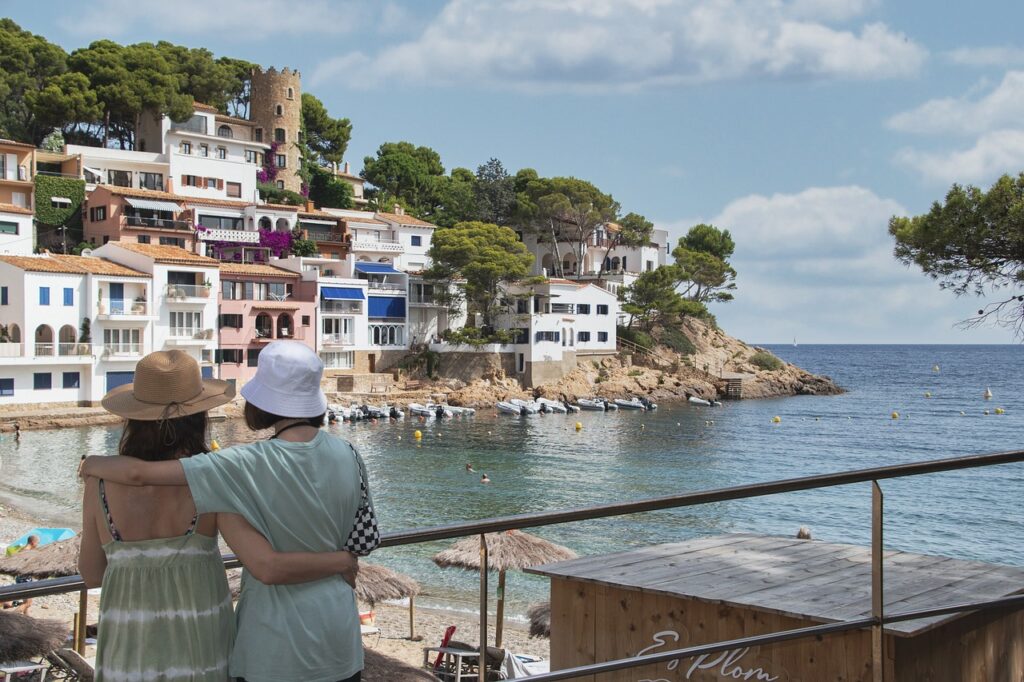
725	587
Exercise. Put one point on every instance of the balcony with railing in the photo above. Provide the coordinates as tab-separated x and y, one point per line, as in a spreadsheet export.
184	292
122	350
189	336
338	339
378	245
341	307
325	235
122	307
155	223
67	350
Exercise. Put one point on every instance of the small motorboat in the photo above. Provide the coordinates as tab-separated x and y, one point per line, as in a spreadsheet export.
509	408
553	405
463	411
418	410
694	400
631	404
530	406
590	404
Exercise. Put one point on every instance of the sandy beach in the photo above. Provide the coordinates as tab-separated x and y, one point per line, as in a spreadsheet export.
392	619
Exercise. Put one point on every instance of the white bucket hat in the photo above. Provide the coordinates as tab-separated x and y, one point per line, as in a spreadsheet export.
287	381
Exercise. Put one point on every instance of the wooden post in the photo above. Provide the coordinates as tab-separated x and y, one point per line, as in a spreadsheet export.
877	591
500	623
83	620
482	667
412	618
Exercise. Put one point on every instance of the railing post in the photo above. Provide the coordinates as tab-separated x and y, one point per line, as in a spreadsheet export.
877	591
482	667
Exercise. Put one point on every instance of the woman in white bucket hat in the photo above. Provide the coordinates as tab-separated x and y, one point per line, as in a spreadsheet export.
305	490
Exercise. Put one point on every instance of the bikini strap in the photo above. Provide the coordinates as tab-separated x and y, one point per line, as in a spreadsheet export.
114	533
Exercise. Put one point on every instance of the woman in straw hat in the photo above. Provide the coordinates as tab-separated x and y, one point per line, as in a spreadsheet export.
305	490
165	611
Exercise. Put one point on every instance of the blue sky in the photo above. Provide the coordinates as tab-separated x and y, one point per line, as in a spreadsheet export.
799	125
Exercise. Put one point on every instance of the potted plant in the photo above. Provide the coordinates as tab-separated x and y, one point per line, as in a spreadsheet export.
207	284
101	308
139	306
84	336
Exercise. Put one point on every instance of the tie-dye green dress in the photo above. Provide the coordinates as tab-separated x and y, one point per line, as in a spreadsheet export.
165	609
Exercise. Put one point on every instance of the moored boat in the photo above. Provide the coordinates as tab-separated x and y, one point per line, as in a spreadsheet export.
552	405
530	406
631	404
509	408
694	400
590	404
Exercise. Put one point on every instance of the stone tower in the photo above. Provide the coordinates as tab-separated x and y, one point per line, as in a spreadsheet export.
275	106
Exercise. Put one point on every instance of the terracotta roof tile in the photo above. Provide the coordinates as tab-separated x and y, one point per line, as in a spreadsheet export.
319	214
11	208
168	254
404	220
232	119
278	207
15	143
199	106
229	268
98	266
167	196
367	221
40	264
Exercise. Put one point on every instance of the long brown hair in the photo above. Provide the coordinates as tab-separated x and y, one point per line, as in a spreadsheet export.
164	439
257	419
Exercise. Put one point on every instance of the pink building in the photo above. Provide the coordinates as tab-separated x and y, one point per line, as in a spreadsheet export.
260	304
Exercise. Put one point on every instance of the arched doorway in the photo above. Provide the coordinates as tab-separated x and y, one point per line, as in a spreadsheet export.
44	340
264	326
548	263
66	341
285	328
14	331
265	223
283	226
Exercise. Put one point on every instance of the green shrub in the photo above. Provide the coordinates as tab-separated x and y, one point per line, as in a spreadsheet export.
49	186
762	359
678	341
275	195
636	336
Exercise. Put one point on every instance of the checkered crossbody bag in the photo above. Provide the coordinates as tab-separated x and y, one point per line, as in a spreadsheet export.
365	536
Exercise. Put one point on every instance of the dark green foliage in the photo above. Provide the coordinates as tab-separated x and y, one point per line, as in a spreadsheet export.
328	190
702	261
275	195
485	256
85	331
636	336
762	359
49	186
495	193
324	137
652	297
674	338
972	243
403	171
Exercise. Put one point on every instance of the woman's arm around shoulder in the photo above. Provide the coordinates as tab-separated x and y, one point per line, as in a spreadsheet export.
132	471
271	567
92	561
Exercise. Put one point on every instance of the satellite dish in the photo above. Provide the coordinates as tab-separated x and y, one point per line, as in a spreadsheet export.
86	252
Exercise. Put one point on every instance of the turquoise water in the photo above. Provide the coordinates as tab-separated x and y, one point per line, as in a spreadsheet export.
542	463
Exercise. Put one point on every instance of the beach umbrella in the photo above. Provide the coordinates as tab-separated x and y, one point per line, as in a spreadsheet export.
512	550
540	619
23	637
376	583
55	560
380	668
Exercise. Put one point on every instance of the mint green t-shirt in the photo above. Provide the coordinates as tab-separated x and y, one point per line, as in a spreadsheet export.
303	497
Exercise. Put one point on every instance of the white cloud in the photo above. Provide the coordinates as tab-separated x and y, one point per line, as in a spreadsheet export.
818	265
241	19
604	45
995	153
1002	107
1001	56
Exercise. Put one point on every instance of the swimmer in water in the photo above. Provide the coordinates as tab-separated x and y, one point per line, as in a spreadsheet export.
484	479
469	468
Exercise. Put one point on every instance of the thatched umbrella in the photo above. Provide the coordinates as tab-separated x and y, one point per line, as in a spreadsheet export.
381	668
54	560
511	550
540	619
23	637
376	583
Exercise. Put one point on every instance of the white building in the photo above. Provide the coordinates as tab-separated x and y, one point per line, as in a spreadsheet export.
184	288
122	167
556	323
75	326
209	155
17	234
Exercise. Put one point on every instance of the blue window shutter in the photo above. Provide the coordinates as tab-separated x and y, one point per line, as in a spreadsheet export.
72	380
44	295
207	372
3	295
6	386
386	306
69	296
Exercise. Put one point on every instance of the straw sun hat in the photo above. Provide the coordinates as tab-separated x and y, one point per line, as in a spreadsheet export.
168	384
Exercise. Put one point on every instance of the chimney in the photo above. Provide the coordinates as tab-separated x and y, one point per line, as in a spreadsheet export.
399	210
169	185
310	206
346	168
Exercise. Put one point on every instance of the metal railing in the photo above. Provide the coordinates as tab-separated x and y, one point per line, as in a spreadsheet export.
338	339
124	306
385	286
349	307
74	348
128	349
187	291
876	621
157	223
325	236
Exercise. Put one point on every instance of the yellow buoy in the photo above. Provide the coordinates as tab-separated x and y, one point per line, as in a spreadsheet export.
895	414
1000	410
214	445
579	426
776	420
417	434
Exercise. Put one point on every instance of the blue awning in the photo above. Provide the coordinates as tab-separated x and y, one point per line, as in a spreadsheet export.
386	306
376	269
341	294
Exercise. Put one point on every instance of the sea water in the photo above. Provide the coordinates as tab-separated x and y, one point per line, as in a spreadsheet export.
542	463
